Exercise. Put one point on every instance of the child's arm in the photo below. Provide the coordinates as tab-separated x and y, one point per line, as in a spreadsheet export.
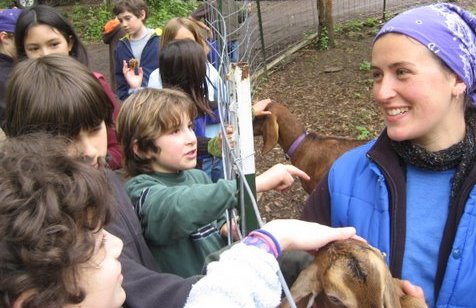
169	213
278	177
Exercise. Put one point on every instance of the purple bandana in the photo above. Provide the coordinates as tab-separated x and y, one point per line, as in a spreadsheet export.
448	31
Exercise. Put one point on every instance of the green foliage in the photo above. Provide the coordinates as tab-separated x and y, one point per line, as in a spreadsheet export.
364	133
364	66
88	21
160	11
323	41
371	22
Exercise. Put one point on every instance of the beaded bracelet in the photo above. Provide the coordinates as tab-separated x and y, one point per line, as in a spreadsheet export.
258	242
275	241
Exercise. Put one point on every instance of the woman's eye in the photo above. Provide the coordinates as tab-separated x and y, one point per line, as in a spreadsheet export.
401	72
376	75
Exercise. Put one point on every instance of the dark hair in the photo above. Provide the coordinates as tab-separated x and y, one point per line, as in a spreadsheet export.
52	206
133	6
46	15
144	117
183	65
56	94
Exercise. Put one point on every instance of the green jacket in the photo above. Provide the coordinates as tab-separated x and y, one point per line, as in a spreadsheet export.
179	213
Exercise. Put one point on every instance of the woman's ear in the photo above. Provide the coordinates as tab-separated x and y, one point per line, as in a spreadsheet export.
459	87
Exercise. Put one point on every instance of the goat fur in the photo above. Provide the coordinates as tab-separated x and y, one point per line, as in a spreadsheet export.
316	153
351	274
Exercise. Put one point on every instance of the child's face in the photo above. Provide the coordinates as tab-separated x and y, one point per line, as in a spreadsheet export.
42	40
185	34
178	149
101	276
92	144
131	23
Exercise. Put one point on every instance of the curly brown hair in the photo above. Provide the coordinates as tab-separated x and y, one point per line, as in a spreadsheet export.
51	207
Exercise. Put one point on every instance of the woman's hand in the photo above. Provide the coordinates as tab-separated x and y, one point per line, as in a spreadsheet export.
295	234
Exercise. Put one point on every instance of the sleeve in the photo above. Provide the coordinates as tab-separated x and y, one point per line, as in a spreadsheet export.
113	148
318	204
171	213
254	282
121	84
145	286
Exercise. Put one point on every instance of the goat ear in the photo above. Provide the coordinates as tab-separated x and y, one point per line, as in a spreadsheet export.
270	133
307	286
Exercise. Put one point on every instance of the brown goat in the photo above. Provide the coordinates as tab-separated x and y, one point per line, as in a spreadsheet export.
314	155
350	274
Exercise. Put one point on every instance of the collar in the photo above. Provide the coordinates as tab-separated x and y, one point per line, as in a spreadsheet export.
296	144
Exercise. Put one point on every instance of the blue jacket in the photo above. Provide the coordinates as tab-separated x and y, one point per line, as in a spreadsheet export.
365	188
149	61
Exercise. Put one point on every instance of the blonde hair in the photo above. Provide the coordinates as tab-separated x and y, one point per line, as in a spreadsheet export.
172	27
144	117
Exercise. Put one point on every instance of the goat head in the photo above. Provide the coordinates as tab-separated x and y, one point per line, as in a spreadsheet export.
314	155
351	274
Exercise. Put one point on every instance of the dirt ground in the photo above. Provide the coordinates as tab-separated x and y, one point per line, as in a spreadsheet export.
331	103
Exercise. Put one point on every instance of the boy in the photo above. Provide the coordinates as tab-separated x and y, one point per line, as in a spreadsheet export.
8	19
178	205
139	49
68	100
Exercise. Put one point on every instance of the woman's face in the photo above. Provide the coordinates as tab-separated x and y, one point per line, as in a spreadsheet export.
101	277
417	96
42	40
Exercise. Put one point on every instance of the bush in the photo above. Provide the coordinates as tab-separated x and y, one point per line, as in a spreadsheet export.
88	21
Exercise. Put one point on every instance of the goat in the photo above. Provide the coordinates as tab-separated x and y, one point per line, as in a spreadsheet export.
352	274
310	152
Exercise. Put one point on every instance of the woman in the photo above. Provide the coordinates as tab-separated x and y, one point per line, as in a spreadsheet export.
411	193
40	31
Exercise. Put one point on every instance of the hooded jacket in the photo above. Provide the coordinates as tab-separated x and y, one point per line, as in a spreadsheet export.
149	61
366	188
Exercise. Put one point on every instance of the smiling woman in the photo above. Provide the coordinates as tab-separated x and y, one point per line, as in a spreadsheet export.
411	192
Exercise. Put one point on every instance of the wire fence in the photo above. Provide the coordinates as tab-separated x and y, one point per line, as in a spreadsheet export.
285	23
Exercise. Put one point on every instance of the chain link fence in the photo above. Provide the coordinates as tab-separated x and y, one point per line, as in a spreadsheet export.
272	28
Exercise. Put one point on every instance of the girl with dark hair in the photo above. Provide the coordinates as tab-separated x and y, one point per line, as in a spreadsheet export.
41	30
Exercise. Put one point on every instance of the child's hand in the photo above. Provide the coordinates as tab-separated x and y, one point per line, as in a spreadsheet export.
234	231
278	177
134	81
229	136
260	106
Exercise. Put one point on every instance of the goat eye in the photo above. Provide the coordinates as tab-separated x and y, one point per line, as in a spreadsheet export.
334	300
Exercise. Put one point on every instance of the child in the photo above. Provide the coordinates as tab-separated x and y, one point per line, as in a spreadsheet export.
178	205
56	254
67	100
54	250
8	18
141	44
42	30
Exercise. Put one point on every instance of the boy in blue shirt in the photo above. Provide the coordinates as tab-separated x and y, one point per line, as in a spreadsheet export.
139	48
